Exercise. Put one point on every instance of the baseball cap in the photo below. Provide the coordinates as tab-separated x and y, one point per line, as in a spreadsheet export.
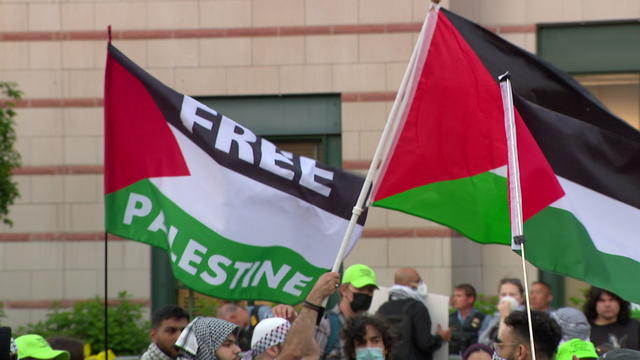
580	348
359	276
37	347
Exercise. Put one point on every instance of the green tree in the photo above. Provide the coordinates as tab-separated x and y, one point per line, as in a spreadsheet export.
128	333
486	304
9	158
2	314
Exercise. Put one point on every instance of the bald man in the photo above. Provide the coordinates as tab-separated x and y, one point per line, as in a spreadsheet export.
246	318
407	312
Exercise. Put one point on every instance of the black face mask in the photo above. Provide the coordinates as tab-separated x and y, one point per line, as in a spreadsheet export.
360	302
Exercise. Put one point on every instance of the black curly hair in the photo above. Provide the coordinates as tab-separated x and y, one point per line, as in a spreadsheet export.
355	330
546	332
593	296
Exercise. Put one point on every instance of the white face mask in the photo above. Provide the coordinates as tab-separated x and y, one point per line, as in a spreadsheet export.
513	303
422	289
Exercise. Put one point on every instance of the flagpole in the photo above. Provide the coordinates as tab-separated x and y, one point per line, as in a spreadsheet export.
398	107
385	138
106	295
515	193
106	269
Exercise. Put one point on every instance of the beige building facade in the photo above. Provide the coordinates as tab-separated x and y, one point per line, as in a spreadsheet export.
356	49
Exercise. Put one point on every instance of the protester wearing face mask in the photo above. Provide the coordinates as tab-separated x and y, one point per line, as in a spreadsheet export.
407	313
367	338
356	292
511	297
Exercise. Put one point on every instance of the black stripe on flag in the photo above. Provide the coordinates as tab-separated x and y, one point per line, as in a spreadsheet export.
581	139
345	186
599	159
538	81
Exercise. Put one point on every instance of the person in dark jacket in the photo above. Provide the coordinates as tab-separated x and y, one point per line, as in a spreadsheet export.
407	313
466	321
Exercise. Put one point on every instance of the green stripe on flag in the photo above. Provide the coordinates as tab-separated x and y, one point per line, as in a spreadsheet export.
201	258
557	241
475	206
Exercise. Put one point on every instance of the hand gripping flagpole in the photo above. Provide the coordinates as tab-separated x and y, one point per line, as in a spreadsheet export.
393	119
515	193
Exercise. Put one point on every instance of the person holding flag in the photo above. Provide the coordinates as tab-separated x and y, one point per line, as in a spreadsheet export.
356	293
300	342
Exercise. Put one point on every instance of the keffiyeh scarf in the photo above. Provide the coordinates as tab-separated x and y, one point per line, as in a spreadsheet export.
398	292
13	349
274	337
154	353
202	337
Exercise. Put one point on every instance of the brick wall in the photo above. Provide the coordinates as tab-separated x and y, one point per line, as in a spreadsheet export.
55	50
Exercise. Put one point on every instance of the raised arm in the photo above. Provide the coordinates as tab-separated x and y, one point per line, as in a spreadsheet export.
300	342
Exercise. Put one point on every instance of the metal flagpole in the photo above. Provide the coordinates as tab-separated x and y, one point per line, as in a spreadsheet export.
515	193
106	276
398	107
106	297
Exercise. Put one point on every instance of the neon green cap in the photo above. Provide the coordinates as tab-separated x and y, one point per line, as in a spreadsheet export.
37	347
580	348
359	276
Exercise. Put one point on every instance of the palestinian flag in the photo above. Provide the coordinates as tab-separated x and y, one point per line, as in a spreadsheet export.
240	218
579	164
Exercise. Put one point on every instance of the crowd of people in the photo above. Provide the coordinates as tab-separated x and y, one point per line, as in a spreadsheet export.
401	328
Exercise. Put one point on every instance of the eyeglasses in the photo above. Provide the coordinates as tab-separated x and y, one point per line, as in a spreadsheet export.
499	345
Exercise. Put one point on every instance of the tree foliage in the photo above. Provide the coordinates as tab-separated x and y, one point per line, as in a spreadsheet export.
128	332
9	158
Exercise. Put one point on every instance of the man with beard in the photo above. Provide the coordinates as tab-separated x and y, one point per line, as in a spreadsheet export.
407	312
207	338
356	292
167	324
513	338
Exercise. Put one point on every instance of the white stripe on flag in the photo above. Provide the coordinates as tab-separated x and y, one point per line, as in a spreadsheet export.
246	211
610	223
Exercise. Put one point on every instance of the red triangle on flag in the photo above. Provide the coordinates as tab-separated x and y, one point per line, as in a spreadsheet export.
138	141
